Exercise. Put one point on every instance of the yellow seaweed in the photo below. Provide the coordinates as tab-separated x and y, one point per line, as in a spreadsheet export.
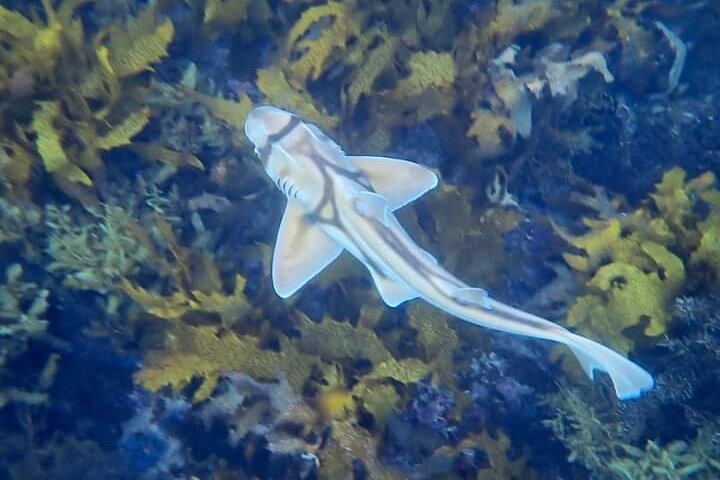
369	64
220	15
134	47
16	169
206	352
706	258
49	145
122	133
428	70
636	264
351	443
315	53
153	151
95	101
675	198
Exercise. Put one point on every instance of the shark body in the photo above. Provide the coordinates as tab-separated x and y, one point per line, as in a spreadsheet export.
339	202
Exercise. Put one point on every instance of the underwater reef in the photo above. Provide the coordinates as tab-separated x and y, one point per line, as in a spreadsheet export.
578	146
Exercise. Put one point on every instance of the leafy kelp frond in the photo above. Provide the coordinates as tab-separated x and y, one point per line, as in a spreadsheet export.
491	131
369	62
436	340
96	99
425	92
137	45
122	133
206	352
428	70
337	341
153	151
382	72
49	145
706	258
623	296
337	23
229	307
221	15
463	232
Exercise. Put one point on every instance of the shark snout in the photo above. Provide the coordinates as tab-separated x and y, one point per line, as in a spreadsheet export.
265	121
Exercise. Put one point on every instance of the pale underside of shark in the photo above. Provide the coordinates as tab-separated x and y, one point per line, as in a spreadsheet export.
339	202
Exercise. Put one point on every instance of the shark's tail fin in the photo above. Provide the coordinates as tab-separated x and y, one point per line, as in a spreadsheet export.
628	378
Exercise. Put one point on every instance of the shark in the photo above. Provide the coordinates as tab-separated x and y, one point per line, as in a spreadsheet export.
338	202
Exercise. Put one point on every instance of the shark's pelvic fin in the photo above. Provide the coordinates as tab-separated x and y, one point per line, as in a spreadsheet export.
302	250
393	292
399	181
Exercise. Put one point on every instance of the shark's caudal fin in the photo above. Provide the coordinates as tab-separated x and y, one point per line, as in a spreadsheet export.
399	181
301	251
628	378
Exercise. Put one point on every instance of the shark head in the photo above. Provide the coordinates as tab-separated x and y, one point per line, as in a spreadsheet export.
265	122
292	152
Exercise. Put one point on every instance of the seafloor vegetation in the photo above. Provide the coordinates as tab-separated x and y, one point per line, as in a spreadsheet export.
139	334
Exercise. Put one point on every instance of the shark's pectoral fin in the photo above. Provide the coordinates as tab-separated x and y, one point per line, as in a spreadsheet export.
393	292
399	181
302	250
473	296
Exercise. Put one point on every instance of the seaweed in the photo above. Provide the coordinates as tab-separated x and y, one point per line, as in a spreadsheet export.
598	444
85	95
23	306
93	255
637	263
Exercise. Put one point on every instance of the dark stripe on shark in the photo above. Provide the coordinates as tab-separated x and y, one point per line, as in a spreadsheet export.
264	152
323	165
390	237
329	199
417	263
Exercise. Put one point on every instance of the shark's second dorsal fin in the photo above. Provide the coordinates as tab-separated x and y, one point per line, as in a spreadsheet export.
473	296
302	250
399	181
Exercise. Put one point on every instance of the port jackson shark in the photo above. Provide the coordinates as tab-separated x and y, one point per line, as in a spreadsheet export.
339	202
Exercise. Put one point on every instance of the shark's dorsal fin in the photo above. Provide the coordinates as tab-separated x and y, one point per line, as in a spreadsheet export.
393	292
302	250
399	181
371	204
